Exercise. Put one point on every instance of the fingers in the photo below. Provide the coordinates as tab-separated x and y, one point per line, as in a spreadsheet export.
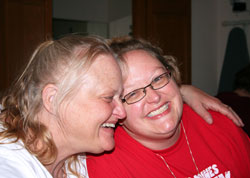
224	109
231	114
202	111
200	102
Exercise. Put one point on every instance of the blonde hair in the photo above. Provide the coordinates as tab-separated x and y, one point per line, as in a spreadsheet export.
63	62
122	45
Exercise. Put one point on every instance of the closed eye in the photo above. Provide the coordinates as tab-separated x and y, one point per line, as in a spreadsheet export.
109	99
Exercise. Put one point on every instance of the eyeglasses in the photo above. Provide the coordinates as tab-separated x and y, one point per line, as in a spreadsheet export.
138	94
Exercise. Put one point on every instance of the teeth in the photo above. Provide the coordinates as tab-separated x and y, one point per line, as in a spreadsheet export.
158	111
107	125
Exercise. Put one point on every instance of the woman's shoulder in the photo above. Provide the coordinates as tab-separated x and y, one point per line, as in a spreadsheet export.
18	162
222	125
218	118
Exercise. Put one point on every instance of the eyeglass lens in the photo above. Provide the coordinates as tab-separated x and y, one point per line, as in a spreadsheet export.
157	83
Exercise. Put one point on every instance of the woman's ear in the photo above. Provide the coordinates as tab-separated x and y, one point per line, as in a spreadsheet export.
48	95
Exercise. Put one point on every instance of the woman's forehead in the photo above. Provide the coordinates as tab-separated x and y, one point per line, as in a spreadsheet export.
105	70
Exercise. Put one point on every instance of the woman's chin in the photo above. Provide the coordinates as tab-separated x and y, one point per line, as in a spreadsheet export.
168	128
108	146
107	143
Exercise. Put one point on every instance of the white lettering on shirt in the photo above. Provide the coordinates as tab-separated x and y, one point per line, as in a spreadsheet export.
212	172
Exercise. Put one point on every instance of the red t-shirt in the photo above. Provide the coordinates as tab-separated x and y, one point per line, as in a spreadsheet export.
220	150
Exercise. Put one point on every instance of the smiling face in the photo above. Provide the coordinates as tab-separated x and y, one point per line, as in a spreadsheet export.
154	120
92	113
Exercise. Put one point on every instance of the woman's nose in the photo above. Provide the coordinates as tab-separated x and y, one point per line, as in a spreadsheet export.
119	111
152	96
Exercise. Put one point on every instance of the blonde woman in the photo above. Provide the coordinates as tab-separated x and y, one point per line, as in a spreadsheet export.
61	106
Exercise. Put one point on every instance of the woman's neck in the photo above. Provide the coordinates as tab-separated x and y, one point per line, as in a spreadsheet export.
64	150
57	169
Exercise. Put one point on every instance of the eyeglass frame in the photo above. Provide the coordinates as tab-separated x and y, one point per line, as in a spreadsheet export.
168	75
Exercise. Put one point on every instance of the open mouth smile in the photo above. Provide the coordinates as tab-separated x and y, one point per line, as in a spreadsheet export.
158	111
108	125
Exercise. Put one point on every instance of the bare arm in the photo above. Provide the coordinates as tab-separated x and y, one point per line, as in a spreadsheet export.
201	102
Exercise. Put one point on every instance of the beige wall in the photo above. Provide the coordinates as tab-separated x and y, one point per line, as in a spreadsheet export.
209	39
209	36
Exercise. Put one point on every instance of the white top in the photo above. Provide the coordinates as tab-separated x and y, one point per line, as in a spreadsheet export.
17	162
